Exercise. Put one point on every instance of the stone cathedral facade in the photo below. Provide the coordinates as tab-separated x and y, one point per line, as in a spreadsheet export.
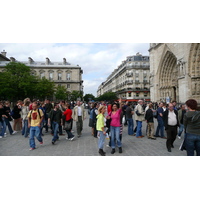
174	71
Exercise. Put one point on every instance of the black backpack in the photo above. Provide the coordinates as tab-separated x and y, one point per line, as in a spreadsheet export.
38	113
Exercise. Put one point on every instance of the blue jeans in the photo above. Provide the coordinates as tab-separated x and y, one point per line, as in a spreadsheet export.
139	129
42	126
25	129
160	128
101	139
60	130
192	144
55	127
70	135
34	131
181	128
2	127
130	126
115	133
46	123
9	126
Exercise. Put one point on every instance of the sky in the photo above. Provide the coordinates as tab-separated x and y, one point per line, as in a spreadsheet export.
97	60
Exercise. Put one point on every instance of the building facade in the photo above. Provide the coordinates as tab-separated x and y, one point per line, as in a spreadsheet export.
61	73
174	71
130	80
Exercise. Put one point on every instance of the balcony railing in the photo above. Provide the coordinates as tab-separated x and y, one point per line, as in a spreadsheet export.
129	74
129	82
145	81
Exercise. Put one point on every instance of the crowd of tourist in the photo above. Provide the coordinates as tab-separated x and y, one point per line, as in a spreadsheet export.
172	119
106	119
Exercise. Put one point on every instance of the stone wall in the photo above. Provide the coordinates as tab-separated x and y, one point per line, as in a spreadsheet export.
174	71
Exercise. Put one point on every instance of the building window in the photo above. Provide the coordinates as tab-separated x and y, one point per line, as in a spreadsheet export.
41	74
50	75
68	85
129	94
33	73
137	95
59	76
68	76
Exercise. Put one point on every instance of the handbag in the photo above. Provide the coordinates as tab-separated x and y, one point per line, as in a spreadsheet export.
68	125
155	114
108	121
137	113
183	144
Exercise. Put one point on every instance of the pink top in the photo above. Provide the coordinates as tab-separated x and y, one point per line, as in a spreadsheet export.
115	119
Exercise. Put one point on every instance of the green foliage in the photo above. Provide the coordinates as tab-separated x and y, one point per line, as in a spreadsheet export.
44	88
108	96
76	94
16	82
89	97
60	93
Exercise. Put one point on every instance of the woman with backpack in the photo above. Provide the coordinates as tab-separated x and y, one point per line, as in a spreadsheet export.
68	122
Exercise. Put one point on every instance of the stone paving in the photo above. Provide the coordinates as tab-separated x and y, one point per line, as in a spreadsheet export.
17	145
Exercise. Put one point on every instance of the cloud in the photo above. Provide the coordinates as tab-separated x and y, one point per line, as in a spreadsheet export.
97	60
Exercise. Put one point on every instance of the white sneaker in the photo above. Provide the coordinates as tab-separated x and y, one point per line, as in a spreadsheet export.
107	145
14	132
0	136
179	137
72	138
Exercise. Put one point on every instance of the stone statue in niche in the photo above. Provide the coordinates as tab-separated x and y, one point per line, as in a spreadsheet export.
151	78
170	93
198	88
194	88
181	68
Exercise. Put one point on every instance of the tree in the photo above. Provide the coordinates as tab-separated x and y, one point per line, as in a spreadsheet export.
60	93
16	81
44	88
108	96
76	95
89	97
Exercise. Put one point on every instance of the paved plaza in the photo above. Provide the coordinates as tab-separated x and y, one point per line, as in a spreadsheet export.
17	145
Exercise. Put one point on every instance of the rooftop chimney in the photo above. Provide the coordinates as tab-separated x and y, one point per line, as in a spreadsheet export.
64	61
47	61
4	53
30	60
12	59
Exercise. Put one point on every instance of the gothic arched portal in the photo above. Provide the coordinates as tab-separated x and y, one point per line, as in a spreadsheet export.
168	75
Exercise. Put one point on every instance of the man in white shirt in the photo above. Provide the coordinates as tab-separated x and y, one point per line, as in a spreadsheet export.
171	123
79	115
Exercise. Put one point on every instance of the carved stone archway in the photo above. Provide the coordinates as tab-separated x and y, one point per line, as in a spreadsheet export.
168	77
194	70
